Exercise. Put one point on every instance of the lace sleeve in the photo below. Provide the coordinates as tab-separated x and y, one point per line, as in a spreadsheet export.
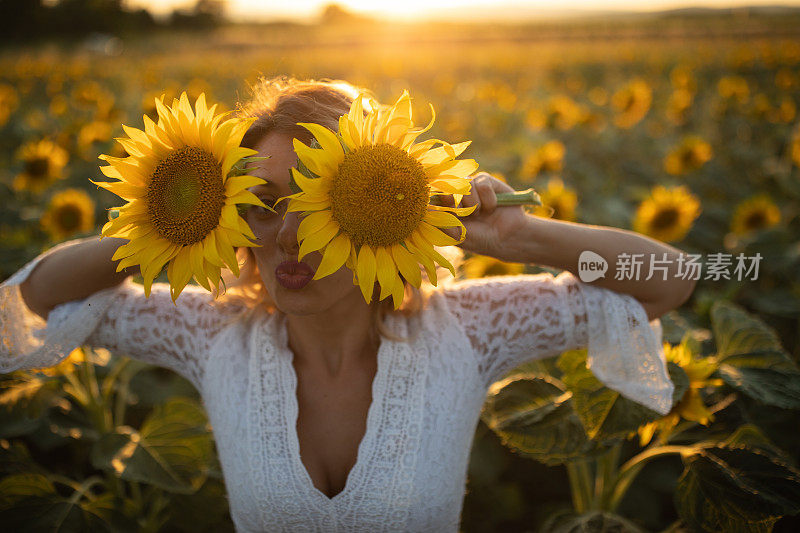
512	319
120	318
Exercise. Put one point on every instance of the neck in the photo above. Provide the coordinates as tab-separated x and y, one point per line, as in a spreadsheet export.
335	340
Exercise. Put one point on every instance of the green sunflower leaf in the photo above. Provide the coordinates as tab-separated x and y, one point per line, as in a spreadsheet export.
736	489
604	412
532	415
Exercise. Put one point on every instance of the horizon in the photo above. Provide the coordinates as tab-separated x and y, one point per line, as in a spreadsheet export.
456	10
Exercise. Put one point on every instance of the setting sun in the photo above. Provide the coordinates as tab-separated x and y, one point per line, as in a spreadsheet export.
248	10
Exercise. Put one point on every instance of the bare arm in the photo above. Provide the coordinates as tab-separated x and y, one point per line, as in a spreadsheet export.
558	244
74	273
511	235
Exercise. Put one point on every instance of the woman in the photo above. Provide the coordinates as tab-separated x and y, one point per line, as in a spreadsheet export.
331	414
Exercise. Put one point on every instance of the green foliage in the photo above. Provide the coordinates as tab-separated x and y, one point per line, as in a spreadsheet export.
739	483
736	489
172	451
592	522
607	415
754	361
508	101
30	502
132	473
532	415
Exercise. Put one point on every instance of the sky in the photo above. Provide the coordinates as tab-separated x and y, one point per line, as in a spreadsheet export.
439	9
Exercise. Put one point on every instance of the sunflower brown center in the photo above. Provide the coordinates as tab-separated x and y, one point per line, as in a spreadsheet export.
756	220
666	218
37	167
69	217
186	195
380	195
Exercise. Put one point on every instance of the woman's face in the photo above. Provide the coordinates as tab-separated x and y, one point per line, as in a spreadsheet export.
288	282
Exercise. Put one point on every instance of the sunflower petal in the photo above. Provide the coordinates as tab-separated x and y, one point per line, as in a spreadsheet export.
179	273
210	251
213	273
356	118
442	219
316	159
460	211
302	204
318	239
407	265
225	249
244	197
398	292
410	137
365	270
424	258
385	268
435	236
196	262
315	187
336	253
229	218
328	140
235	184
233	156
439	155
312	223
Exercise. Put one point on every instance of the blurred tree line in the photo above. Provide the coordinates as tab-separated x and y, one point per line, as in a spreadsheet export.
30	20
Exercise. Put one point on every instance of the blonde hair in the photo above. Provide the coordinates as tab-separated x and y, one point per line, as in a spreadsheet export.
278	104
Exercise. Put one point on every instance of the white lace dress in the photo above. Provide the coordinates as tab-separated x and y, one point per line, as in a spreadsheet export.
410	473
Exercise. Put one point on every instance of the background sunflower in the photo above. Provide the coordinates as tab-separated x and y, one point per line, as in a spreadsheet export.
70	212
42	162
668	214
756	213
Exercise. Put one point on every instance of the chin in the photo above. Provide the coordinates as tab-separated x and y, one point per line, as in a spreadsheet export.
305	301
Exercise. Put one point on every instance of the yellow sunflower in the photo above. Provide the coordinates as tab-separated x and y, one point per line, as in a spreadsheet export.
690	155
632	103
369	206
547	158
756	213
691	406
8	102
795	148
43	164
559	201
480	266
70	211
182	201
668	214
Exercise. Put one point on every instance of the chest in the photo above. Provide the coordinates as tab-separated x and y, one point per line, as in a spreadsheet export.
331	423
414	438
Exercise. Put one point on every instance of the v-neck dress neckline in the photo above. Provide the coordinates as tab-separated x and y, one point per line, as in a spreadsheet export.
374	414
383	476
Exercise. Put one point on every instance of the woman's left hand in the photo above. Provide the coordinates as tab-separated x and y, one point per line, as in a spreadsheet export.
489	226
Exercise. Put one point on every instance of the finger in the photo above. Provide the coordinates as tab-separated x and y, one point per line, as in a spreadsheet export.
454	232
472	199
445	200
487	196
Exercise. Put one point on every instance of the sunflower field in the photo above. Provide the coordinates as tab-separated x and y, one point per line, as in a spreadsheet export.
686	129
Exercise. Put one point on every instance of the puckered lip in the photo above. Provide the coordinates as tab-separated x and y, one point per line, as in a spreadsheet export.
295	267
294	274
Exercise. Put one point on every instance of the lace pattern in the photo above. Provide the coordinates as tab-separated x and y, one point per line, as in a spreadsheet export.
119	318
513	319
411	466
26	340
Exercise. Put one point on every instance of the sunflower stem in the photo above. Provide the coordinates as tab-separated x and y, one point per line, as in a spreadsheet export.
526	197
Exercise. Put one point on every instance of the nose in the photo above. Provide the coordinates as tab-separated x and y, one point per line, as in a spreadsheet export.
287	234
